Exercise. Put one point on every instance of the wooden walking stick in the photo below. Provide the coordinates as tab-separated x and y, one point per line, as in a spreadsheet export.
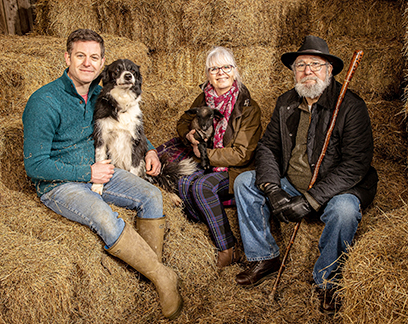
353	66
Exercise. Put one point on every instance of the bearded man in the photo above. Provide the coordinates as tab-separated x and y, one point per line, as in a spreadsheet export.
285	160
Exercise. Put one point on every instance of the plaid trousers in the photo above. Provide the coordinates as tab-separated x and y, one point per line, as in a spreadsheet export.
203	196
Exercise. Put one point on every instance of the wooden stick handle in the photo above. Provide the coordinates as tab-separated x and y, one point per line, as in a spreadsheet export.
358	55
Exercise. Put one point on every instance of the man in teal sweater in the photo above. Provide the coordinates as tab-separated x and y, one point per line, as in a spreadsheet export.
59	157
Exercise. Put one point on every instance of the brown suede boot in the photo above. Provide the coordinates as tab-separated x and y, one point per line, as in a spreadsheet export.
152	231
132	249
228	257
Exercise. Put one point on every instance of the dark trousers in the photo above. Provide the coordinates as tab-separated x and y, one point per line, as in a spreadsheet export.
203	196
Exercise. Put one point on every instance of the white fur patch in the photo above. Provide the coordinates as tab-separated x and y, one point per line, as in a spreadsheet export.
118	135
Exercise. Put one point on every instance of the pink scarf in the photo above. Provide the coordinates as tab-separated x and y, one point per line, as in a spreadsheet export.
225	104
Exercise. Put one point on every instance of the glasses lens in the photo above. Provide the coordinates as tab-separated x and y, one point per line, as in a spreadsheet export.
300	67
314	66
213	70
224	68
227	68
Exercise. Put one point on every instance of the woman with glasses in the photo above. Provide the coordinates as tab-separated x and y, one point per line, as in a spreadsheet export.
205	194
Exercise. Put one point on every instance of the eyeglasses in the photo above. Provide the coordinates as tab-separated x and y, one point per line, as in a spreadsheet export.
225	68
314	66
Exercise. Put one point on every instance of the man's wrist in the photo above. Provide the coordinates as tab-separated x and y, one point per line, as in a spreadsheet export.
263	186
150	151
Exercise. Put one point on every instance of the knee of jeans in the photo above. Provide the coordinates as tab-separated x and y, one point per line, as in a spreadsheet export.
345	209
155	197
242	180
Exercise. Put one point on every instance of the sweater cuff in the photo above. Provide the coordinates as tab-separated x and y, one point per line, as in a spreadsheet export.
149	145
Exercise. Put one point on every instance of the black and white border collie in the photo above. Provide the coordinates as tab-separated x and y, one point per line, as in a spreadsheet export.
118	128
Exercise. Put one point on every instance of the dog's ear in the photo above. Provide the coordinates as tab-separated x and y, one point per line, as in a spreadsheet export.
217	114
105	75
192	111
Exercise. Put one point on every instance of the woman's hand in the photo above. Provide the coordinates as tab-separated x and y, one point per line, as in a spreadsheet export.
194	143
190	137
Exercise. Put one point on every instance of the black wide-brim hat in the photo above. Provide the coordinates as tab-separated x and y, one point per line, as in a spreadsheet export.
313	45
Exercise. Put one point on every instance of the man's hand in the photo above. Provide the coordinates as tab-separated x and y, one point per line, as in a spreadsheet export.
297	208
102	171
153	164
278	199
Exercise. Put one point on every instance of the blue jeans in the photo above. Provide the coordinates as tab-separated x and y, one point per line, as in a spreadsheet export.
341	216
77	202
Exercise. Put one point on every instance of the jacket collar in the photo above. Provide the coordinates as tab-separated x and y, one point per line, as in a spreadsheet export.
329	96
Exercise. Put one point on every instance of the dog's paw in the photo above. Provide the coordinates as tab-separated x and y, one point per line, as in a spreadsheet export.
98	188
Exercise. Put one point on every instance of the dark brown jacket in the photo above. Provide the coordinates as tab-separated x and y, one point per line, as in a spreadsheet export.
240	139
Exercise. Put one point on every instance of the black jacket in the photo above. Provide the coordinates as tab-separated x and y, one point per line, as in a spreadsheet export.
346	167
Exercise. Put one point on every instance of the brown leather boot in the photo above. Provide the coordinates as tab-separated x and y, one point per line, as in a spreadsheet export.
132	249
152	231
329	301
228	257
258	272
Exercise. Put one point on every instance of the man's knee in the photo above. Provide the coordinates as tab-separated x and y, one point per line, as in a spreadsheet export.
343	209
243	180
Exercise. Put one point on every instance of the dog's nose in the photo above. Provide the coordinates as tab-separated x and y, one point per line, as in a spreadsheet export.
128	76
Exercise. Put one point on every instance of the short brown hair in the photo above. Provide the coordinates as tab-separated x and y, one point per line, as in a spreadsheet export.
85	35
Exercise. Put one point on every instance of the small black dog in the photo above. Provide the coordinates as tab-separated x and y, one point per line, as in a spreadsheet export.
118	128
203	123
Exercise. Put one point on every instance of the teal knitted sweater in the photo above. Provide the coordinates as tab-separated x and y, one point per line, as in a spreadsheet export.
58	126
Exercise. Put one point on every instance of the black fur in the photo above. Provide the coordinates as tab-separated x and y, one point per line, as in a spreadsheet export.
203	123
118	127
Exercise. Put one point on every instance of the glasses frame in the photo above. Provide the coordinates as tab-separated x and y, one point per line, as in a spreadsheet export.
218	68
317	68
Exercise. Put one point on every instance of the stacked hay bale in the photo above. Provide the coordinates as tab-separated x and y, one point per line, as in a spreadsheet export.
53	270
375	276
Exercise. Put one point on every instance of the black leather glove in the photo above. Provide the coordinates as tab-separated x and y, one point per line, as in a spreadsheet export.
297	208
278	198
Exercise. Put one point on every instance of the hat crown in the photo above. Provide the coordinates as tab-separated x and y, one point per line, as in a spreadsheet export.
314	44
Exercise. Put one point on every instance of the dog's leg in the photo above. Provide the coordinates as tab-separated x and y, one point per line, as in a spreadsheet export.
100	155
205	161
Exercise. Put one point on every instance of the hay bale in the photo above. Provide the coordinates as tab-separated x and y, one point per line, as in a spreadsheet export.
12	172
231	23
155	23
60	17
375	286
41	60
390	137
371	19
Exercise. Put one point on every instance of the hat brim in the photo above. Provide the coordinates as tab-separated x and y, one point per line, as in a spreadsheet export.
290	57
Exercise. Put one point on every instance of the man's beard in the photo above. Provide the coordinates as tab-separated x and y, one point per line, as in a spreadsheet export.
312	91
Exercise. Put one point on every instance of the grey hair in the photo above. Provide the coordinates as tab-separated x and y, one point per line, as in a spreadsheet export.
219	56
